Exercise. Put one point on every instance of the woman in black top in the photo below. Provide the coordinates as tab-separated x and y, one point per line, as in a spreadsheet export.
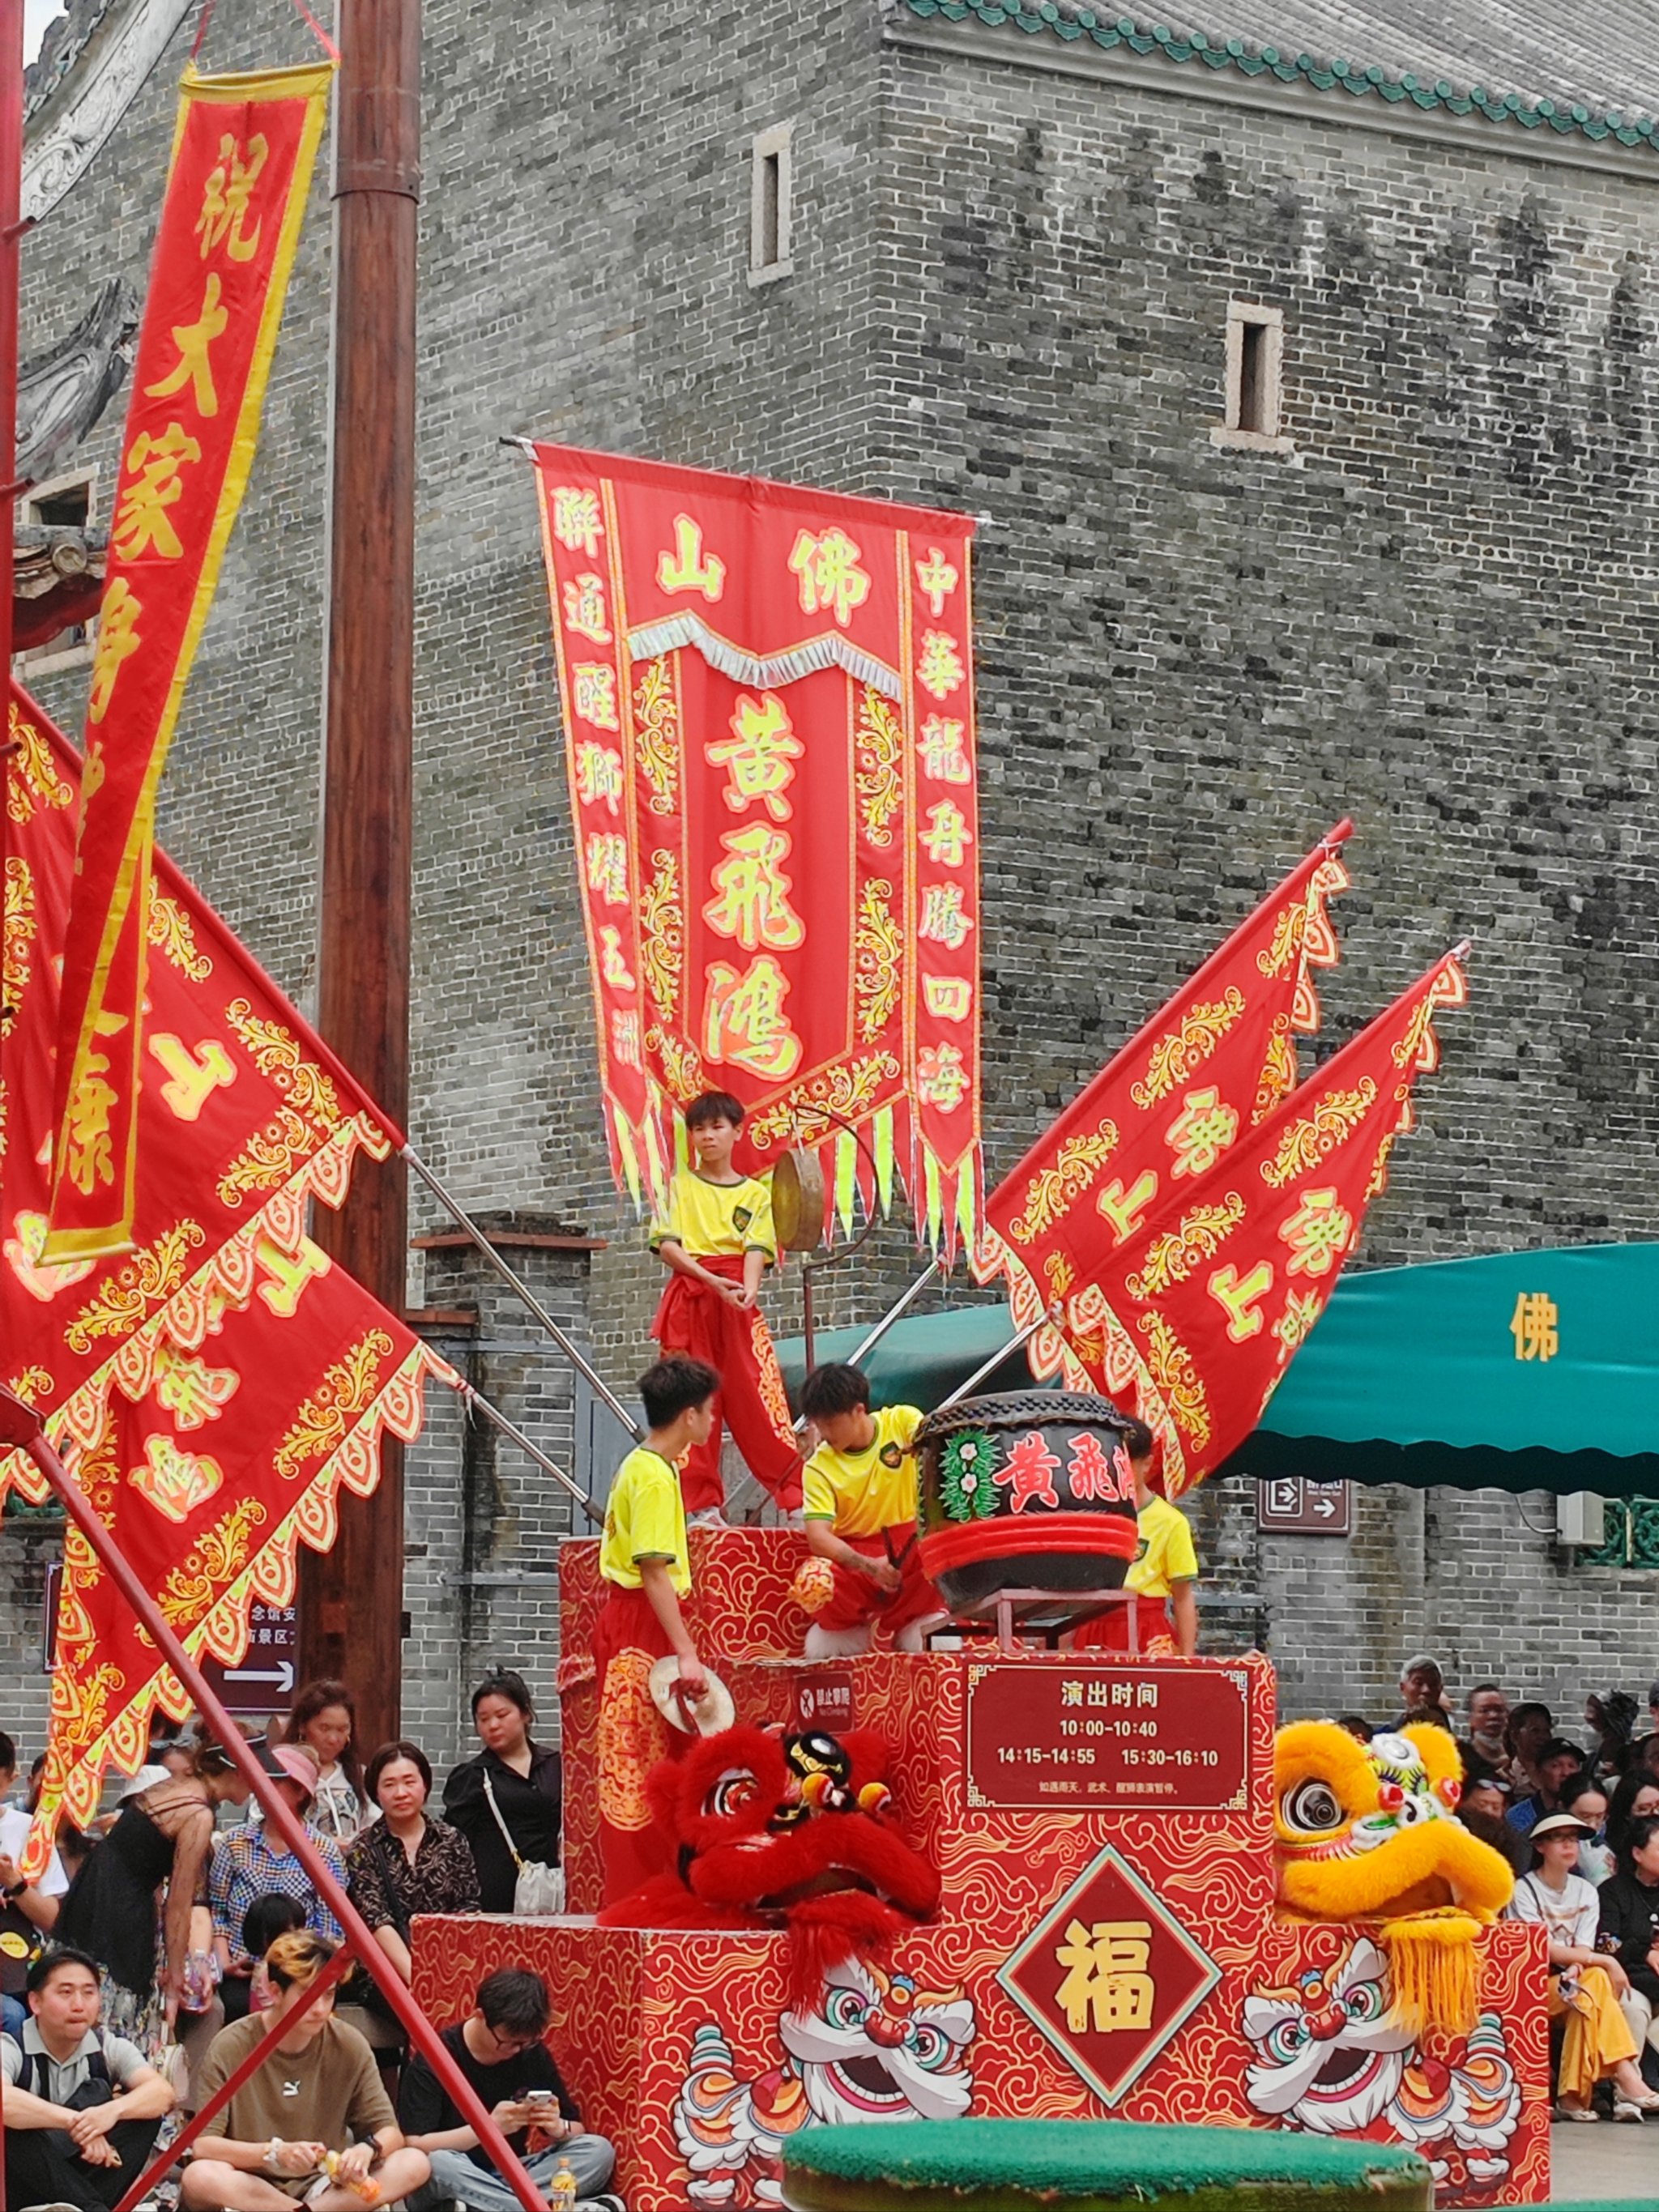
523	1778
1630	1920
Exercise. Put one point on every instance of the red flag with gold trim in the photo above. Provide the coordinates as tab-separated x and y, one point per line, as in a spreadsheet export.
242	156
213	1389
1207	1066
768	698
1193	1319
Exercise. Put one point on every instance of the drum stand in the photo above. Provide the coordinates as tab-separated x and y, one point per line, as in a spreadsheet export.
1016	1616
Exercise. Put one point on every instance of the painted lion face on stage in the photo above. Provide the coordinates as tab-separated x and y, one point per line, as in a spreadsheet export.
1330	2056
876	2047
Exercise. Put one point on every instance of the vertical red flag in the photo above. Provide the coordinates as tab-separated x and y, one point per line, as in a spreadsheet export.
768	702
1191	1322
1206	1069
242	157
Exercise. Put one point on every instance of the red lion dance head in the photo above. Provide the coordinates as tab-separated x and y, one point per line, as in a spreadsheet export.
792	1832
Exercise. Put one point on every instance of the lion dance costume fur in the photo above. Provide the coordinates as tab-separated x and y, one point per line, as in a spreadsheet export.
1370	1832
790	1832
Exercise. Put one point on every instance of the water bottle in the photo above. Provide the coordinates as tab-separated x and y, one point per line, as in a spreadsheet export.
561	2189
367	2188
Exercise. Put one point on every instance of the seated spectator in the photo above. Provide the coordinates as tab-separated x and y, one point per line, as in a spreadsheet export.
1428	1716
319	2092
1488	1715
407	1862
1558	1763
1612	1717
253	1861
1421	1683
1647	1755
499	2048
1485	1801
1585	1984
1356	1726
82	2108
246	1986
1629	1907
1587	1802
1635	1798
29	1910
1531	1727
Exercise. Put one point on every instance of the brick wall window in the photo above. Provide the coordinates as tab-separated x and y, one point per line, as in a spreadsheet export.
1254	366
65	503
768	205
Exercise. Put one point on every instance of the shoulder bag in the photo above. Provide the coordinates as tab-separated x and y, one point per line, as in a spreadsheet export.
539	1889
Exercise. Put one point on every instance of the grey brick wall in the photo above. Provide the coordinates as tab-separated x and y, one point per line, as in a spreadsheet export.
1010	296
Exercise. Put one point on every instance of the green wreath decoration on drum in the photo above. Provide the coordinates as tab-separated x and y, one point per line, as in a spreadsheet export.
966	1466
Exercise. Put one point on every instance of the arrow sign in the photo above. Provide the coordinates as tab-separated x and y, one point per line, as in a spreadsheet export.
282	1676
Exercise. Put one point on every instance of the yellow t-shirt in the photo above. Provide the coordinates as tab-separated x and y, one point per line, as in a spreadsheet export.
864	1492
645	1519
714	1217
1165	1555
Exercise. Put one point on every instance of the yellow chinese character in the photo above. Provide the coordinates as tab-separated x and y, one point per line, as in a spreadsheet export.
192	1076
91	1156
947	998
743	1020
595	684
1318	1234
118	639
1533	1326
936	580
944	759
576	522
193	340
153	485
1107	1979
753	905
947	835
942	921
939	669
1125	1210
288	1275
941	1079
598	775
585	610
607	867
688	569
191	1390
1240	1298
625	1036
759	757
613	962
225	200
175	1482
829	574
1200	1133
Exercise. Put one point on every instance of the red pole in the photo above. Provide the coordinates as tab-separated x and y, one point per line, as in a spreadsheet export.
20	1426
11	240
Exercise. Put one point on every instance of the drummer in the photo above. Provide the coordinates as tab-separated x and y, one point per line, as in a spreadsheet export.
861	1504
1166	1568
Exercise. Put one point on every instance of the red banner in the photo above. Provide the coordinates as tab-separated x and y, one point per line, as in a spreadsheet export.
213	1389
1191	1322
242	157
768	698
1216	1059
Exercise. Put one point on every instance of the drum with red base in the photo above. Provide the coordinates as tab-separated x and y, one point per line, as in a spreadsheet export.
1029	1489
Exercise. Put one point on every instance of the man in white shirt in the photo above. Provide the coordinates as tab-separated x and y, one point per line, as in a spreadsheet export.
28	1910
82	2107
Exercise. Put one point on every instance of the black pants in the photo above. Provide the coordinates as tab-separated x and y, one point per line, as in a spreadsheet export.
43	2166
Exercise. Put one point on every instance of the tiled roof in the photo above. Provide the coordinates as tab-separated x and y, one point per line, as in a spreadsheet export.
1570	69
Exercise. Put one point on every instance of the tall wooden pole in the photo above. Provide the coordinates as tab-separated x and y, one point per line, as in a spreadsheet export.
11	258
351	1598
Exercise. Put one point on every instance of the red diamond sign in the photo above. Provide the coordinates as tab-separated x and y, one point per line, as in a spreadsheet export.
1107	1975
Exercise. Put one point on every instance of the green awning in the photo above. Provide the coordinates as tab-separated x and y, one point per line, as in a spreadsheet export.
1520	1371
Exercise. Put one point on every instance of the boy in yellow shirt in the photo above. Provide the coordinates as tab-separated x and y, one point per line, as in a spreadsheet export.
647	1568
716	1240
1165	1567
860	1505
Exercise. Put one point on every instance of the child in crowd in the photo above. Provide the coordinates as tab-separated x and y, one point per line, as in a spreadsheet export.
716	1241
644	1560
860	1507
1165	1567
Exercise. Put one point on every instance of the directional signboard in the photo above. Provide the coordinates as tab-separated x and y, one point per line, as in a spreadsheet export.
263	1684
1294	1506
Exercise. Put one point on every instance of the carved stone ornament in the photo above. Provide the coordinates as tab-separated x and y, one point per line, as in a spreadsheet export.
93	64
61	393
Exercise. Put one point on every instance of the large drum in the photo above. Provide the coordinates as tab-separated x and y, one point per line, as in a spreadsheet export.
1032	1489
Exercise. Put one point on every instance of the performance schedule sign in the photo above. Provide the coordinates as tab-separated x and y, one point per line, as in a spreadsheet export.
1107	1738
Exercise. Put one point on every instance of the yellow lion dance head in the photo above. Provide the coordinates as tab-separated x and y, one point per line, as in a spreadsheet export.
1370	1832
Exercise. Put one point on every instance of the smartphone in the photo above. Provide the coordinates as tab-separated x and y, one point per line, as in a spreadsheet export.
539	2097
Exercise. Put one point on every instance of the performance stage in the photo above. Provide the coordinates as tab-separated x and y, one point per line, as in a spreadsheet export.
1106	1944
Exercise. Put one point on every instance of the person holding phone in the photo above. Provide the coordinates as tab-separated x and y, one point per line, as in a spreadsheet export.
499	2048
